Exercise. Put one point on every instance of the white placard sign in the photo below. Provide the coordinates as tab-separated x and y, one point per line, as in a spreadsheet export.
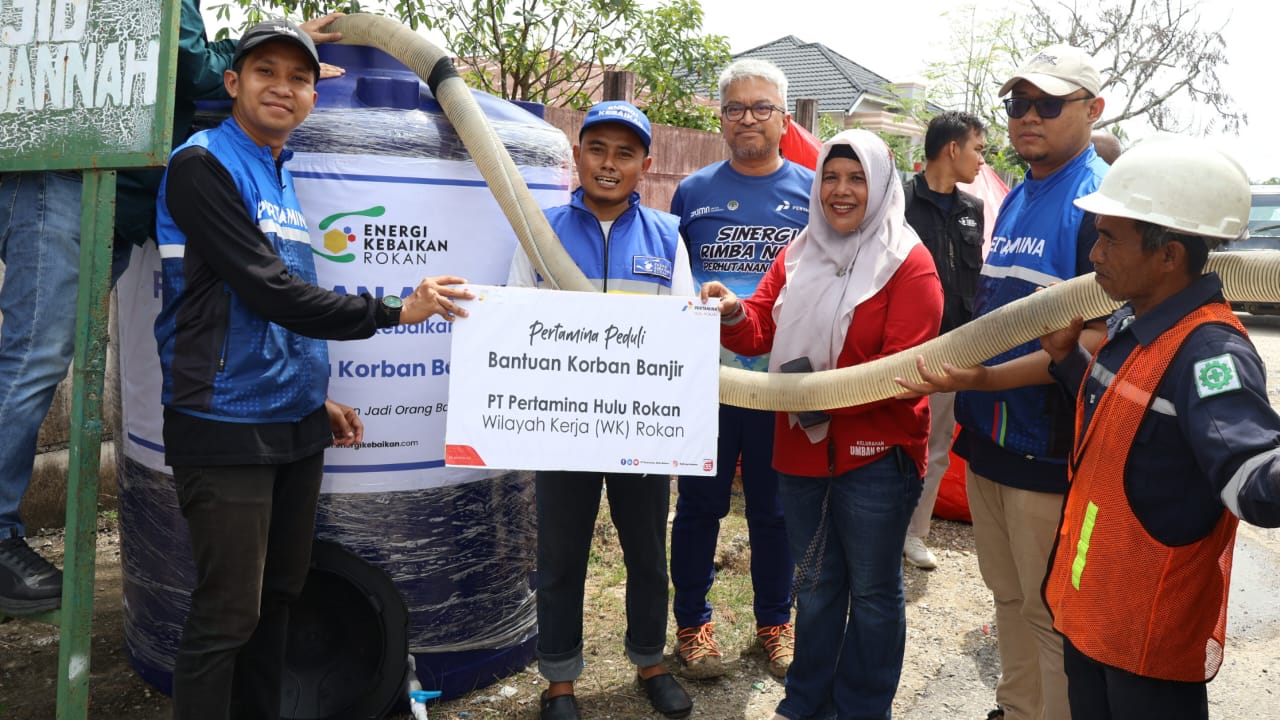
548	380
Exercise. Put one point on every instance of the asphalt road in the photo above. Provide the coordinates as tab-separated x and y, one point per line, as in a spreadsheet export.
1253	610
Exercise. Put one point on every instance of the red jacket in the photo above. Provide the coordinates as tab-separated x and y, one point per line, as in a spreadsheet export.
906	312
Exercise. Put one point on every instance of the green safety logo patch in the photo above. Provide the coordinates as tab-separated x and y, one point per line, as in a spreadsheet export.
1216	375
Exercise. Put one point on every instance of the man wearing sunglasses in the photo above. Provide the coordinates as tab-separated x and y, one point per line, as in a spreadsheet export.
1015	423
736	215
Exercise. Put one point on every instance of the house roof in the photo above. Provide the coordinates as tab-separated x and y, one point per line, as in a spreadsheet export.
816	71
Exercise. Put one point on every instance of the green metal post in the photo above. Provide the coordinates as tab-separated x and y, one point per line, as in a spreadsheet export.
97	211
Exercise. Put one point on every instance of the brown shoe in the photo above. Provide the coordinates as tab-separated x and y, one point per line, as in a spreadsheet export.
779	644
698	653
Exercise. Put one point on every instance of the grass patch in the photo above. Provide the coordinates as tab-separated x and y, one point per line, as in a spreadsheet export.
607	686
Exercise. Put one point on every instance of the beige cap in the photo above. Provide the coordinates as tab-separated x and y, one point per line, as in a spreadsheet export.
1058	70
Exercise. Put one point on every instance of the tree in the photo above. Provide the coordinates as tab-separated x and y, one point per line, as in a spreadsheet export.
984	53
1152	53
555	51
905	153
1158	58
827	127
534	50
672	62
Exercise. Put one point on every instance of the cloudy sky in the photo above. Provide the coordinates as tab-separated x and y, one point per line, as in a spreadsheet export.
898	39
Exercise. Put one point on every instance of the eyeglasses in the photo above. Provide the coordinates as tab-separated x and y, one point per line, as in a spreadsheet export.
1046	107
761	111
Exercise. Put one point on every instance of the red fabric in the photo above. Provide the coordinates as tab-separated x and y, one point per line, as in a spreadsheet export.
906	312
991	189
953	496
801	147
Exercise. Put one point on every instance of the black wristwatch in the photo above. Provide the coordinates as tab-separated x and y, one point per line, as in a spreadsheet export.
391	305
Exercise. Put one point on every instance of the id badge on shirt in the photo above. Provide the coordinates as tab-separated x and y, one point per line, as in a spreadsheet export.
649	265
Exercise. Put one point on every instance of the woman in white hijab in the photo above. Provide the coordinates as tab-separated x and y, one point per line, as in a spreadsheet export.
856	285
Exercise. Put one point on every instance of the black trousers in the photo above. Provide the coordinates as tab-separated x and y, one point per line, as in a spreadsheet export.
567	506
1102	692
251	532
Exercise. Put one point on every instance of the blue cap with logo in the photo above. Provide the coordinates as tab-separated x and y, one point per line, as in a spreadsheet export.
622	113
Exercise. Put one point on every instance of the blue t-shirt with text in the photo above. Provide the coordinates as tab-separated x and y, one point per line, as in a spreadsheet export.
735	225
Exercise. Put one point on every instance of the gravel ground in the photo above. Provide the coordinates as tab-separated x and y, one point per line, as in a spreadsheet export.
950	669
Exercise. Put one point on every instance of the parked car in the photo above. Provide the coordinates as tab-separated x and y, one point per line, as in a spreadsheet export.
1264	234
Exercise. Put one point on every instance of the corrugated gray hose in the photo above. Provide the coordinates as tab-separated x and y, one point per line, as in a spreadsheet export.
1248	277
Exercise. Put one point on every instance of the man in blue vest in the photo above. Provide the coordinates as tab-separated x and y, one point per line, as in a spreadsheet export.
245	374
1015	422
621	246
40	247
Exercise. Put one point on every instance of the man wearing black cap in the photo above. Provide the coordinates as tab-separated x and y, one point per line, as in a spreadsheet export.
39	248
241	337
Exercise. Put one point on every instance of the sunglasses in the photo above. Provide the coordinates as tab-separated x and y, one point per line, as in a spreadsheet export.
1046	107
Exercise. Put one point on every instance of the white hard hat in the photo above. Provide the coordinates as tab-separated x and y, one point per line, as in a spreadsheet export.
1181	183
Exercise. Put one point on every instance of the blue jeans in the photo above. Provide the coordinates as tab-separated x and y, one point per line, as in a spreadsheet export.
40	248
704	501
850	609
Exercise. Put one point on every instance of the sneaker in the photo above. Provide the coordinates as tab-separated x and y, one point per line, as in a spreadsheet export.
919	554
699	656
28	582
779	644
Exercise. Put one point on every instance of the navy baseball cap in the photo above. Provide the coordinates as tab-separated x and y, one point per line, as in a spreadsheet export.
278	29
622	113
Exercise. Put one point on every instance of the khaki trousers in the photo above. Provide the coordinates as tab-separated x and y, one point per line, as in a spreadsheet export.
1014	532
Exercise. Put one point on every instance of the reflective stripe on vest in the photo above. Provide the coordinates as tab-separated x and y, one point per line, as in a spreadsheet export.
1123	598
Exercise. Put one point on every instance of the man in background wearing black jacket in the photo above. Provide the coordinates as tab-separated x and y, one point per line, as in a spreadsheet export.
949	223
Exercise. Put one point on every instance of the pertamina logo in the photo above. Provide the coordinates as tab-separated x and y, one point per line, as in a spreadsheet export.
339	241
698	309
